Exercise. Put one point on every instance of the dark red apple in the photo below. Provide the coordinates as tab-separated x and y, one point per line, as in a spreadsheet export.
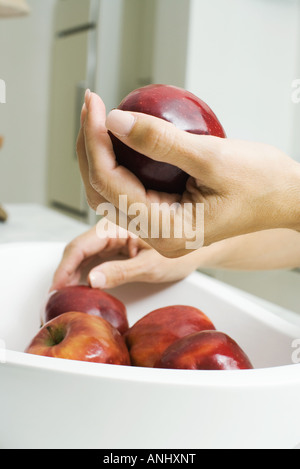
175	105
148	338
206	350
88	300
79	336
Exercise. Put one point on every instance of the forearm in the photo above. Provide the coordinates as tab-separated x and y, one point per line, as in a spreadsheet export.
264	250
289	201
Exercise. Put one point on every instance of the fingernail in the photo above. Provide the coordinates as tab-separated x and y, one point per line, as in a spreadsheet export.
87	97
120	122
133	251
97	280
83	115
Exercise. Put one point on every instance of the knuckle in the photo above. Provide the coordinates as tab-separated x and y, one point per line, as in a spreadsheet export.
78	145
97	185
161	143
91	201
94	182
157	139
119	273
72	246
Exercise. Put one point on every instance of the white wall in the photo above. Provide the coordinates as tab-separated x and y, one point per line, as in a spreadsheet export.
25	48
109	56
124	58
241	57
171	45
296	110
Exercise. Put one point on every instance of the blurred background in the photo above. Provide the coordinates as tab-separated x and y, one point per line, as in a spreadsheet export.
240	56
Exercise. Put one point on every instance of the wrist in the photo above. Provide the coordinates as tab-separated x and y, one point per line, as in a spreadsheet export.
210	257
290	206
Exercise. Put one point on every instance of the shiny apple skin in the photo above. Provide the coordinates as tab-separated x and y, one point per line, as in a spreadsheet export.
178	106
84	338
88	300
206	350
152	334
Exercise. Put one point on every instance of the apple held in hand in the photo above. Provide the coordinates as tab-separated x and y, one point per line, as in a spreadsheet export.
79	336
151	335
175	105
206	350
88	300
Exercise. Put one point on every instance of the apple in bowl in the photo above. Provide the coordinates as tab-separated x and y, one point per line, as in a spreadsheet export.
205	350
178	106
85	299
80	336
148	338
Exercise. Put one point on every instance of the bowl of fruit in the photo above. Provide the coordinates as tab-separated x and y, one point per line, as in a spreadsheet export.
194	364
191	364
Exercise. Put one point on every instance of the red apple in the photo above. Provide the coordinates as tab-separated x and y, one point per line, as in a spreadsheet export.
88	300
175	105
151	335
206	350
79	336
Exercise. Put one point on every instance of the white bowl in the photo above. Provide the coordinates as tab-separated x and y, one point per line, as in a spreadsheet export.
55	403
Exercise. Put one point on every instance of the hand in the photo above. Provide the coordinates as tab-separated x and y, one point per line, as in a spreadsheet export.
244	187
109	261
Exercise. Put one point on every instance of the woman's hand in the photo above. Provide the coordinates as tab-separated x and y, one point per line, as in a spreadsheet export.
244	187
108	261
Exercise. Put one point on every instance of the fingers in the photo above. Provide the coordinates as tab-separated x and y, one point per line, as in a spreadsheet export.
147	266
114	273
162	141
100	168
195	154
93	197
93	245
107	181
80	249
142	265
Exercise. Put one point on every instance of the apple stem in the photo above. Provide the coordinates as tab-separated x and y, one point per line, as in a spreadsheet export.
56	335
49	329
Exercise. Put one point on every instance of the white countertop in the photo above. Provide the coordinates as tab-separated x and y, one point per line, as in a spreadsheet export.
36	223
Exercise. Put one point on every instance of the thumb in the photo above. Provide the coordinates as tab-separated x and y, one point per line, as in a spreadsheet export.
114	273
163	141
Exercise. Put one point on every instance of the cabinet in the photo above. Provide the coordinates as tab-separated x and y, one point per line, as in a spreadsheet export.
74	38
104	45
